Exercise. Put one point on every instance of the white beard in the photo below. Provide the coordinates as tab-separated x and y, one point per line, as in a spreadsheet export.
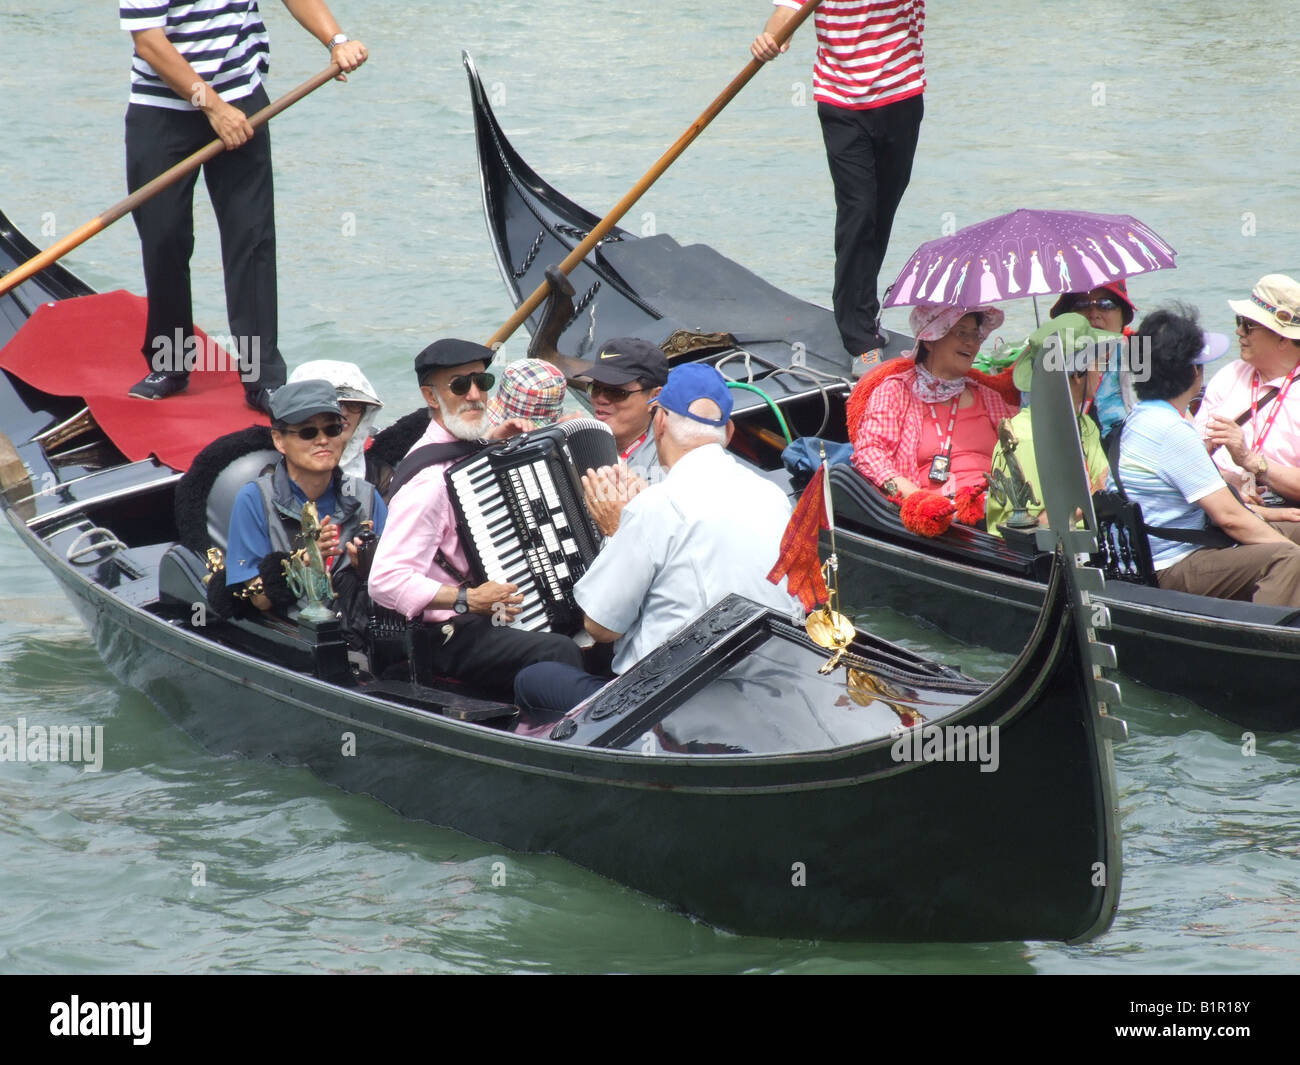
463	428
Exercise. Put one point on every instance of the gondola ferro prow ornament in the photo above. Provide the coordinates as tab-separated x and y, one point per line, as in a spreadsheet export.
1009	487
1063	481
305	572
1066	492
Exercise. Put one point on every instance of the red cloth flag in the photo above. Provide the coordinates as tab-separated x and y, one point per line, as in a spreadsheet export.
799	561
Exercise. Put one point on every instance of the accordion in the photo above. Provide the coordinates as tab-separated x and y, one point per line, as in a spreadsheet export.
523	520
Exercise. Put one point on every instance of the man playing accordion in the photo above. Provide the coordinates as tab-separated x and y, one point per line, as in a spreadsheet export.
421	567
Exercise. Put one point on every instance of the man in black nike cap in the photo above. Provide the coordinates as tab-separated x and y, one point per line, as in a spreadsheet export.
626	376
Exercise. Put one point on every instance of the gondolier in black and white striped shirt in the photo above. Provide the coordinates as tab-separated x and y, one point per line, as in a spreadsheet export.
198	68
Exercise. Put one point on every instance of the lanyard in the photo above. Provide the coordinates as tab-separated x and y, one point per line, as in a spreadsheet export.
1258	441
945	445
634	445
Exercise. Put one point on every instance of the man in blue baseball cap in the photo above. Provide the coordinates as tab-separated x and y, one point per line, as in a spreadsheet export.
712	526
610	489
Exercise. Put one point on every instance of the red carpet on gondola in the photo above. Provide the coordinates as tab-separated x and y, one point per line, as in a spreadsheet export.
90	347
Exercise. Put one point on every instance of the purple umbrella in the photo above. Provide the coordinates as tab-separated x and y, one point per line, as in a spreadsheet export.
1028	253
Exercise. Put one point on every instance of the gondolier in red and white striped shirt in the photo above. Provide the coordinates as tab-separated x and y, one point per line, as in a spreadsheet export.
868	80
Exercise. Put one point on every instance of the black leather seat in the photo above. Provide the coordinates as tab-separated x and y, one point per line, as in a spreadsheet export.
205	496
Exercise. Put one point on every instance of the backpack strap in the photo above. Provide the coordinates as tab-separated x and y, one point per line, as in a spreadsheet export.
1244	416
430	455
1212	537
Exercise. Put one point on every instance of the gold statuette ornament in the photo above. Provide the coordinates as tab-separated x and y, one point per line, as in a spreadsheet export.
305	572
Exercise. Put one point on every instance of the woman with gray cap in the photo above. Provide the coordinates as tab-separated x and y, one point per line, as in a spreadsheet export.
265	522
625	377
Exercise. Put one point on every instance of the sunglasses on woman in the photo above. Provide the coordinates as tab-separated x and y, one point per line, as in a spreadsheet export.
1105	303
1247	324
308	432
482	381
614	395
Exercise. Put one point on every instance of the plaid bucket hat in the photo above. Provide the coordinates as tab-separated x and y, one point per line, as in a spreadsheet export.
531	389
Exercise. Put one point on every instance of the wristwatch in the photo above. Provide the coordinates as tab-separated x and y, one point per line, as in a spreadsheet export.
337	39
1262	472
462	601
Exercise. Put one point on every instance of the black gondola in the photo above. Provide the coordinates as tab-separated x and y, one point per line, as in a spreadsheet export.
1232	658
722	774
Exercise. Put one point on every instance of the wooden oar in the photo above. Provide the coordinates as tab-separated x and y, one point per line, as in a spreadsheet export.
652	175
79	236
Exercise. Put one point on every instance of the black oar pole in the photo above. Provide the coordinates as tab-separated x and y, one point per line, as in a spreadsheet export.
83	233
652	175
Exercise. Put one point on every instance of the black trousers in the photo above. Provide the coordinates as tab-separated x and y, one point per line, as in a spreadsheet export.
240	187
555	688
870	155
488	656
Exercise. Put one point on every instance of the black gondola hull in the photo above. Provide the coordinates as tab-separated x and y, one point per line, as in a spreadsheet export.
844	845
853	842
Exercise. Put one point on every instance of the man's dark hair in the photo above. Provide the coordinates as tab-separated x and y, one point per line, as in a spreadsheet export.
1173	339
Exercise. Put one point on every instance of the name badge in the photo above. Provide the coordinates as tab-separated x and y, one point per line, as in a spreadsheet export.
939	469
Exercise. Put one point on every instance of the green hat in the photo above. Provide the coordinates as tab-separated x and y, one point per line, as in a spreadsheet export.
1076	325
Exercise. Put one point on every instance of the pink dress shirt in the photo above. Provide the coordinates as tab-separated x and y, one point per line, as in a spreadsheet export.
1228	395
404	576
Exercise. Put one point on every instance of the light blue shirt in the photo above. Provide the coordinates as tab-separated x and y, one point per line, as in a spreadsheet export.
1110	403
1166	469
710	527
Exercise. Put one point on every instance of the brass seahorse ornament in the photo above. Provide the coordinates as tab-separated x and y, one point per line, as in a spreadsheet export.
305	572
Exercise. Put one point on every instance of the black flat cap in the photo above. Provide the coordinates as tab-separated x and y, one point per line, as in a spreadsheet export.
624	360
291	404
449	352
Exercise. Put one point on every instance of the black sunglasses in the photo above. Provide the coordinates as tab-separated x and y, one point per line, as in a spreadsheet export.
1105	303
1247	324
616	395
308	432
482	381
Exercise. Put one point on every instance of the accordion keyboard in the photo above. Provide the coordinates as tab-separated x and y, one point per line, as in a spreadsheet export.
523	520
